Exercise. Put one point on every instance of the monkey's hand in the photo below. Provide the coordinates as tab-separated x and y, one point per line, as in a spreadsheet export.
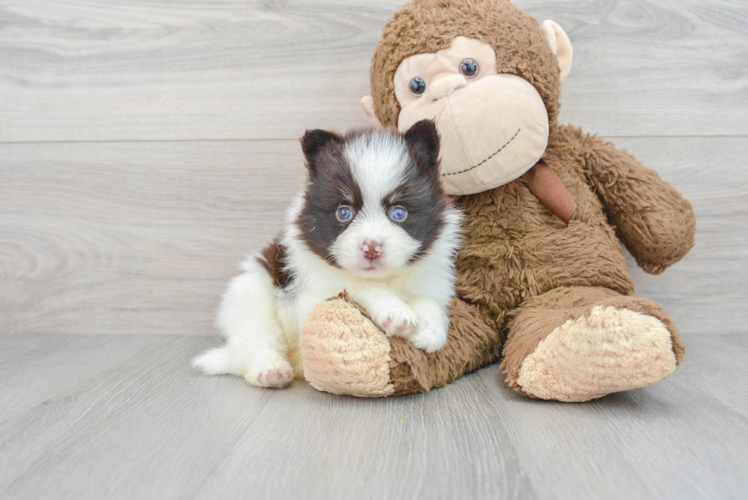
651	218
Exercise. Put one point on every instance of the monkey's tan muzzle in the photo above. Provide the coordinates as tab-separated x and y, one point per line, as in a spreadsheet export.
481	153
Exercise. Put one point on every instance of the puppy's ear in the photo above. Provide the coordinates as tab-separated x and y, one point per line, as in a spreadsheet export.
313	142
423	140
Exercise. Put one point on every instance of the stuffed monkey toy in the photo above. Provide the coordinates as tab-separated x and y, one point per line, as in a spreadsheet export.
542	279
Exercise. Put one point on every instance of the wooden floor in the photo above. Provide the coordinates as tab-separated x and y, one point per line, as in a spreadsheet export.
145	145
124	417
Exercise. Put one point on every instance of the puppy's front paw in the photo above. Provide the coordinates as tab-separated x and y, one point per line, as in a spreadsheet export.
271	370
429	337
396	320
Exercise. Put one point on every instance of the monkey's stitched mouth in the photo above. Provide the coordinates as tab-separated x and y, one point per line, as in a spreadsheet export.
492	155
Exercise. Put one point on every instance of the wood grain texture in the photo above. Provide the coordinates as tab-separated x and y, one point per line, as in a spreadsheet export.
679	438
80	70
33	367
145	426
141	237
133	238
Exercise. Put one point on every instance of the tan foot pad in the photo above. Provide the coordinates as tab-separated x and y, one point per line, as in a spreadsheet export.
343	352
611	350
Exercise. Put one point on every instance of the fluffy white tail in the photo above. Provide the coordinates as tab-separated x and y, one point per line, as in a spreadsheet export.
213	362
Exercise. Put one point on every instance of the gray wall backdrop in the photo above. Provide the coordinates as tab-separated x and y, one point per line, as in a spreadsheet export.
145	145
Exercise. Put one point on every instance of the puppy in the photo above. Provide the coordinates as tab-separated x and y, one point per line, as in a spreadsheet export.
373	221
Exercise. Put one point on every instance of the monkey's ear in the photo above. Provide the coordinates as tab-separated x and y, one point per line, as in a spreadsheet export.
423	139
313	142
560	45
367	103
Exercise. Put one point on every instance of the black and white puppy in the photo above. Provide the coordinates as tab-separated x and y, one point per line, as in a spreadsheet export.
372	220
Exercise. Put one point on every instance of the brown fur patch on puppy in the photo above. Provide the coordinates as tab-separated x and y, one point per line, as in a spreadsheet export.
273	260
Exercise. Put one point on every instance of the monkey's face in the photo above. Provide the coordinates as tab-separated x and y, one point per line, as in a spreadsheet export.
493	127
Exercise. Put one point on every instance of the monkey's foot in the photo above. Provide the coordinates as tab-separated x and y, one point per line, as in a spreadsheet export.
609	350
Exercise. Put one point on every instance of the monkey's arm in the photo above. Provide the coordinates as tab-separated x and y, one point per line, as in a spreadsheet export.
653	220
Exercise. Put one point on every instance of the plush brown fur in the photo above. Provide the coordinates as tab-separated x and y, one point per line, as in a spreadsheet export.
473	340
522	272
424	26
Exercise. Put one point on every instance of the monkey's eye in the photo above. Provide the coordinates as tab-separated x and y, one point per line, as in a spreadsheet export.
398	214
469	67
417	86
344	213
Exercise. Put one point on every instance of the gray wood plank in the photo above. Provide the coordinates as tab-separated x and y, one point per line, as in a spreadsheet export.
713	364
157	70
670	440
133	238
33	368
151	428
146	426
76	436
141	237
442	445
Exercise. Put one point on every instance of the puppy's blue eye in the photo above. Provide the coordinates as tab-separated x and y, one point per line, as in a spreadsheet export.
398	214
344	213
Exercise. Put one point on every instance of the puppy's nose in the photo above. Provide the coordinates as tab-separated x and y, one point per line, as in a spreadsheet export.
372	250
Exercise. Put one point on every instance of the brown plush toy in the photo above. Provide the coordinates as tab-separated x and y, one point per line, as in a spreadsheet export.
555	300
